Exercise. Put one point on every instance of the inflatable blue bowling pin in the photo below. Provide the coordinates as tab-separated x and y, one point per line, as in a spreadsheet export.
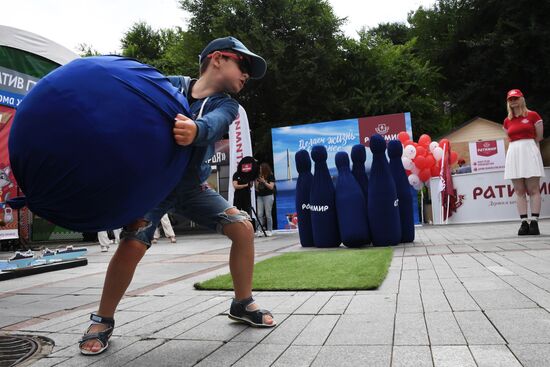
351	207
359	157
383	205
395	151
303	191
322	205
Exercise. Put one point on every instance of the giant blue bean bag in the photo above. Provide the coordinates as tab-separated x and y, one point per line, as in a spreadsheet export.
351	206
91	146
324	222
383	206
395	151
303	190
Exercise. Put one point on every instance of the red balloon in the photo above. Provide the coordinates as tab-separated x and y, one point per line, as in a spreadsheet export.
421	150
424	175
424	140
454	157
408	142
420	162
403	136
431	160
435	170
408	172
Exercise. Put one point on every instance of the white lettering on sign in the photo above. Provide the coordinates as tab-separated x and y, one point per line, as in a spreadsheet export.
11	80
307	144
239	139
8	100
315	208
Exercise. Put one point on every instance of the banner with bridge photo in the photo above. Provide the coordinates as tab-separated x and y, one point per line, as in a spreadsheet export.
336	136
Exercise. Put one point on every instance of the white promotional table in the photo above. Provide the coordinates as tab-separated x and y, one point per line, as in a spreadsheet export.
485	197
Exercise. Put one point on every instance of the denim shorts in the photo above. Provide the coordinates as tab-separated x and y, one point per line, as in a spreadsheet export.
198	203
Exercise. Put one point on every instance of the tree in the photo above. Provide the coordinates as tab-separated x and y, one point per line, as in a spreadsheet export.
397	33
484	48
300	39
85	50
380	78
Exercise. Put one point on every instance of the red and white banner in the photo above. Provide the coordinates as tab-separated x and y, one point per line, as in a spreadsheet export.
486	156
240	145
485	197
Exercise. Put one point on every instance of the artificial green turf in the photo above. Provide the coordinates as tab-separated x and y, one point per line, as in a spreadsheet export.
344	269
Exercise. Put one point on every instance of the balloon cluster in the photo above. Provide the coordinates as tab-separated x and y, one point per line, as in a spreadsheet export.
422	160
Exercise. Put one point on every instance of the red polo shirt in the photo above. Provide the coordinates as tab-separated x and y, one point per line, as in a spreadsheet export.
522	127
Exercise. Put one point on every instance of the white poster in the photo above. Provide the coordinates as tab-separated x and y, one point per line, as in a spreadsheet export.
485	197
487	156
240	145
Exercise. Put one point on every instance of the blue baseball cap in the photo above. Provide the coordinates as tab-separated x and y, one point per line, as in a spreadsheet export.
258	66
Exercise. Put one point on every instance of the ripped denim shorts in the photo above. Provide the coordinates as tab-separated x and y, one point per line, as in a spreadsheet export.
198	203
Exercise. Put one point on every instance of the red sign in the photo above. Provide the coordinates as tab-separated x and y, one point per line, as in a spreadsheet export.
386	125
8	186
486	148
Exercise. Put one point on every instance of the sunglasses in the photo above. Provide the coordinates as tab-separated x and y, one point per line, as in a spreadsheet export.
242	62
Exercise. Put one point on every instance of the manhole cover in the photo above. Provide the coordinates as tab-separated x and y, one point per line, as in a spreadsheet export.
17	350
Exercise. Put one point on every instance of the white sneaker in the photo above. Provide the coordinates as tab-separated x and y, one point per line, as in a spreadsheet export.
269	233
104	248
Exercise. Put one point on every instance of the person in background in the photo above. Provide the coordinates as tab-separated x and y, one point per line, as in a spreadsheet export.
105	241
265	188
523	160
241	198
167	228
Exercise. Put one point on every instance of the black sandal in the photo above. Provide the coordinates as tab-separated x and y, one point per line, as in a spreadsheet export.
239	312
101	336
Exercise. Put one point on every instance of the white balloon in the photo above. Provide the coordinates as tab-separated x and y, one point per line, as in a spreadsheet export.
438	154
419	186
409	152
433	145
407	163
415	170
414	180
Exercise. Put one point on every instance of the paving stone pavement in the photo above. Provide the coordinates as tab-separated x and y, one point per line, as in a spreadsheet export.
460	295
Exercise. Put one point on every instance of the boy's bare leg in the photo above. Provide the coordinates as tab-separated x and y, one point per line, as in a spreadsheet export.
241	259
119	275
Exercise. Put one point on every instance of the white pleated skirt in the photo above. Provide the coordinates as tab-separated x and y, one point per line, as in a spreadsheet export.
523	160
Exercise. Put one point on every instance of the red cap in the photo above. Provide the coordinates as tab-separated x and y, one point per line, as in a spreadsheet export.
514	93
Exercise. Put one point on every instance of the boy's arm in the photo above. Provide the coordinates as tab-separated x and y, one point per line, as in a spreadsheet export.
207	129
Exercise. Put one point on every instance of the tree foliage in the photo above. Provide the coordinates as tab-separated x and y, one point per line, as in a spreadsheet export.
451	62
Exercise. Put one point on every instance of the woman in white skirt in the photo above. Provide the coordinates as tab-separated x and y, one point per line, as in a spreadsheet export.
523	160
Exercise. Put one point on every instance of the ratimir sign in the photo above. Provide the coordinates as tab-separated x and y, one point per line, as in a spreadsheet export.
485	197
386	125
487	156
